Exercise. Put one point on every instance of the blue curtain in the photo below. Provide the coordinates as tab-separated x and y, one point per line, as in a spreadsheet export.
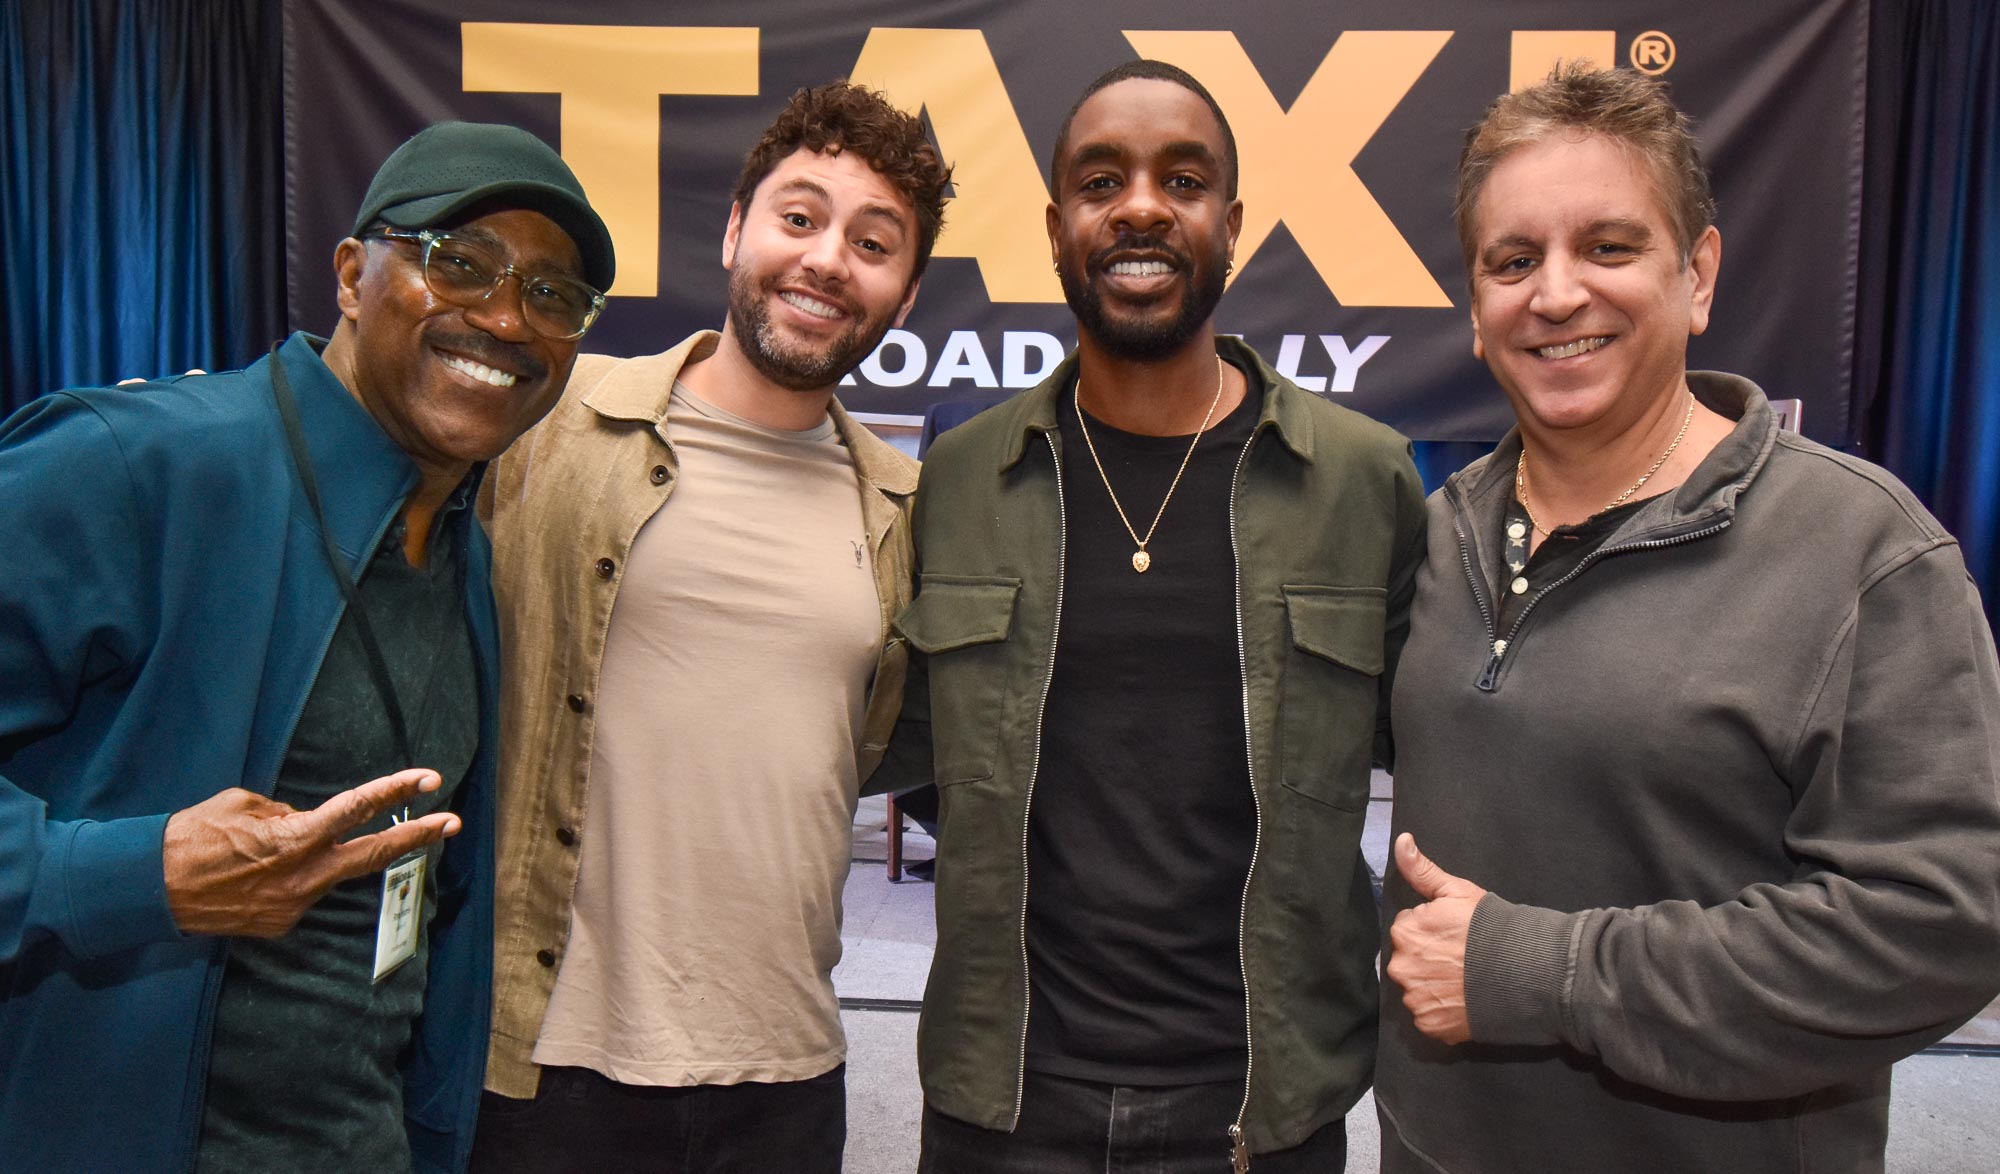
1934	419
140	205
1439	459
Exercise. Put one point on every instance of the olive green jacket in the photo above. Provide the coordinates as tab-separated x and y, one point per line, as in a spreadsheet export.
1327	521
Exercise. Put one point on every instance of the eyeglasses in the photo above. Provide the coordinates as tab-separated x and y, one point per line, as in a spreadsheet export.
466	274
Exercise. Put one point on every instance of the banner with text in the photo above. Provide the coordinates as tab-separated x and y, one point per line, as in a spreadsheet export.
1348	117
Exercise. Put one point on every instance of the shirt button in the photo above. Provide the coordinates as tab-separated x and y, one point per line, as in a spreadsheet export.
659	474
605	567
1519	586
1516	530
546	957
565	837
576	703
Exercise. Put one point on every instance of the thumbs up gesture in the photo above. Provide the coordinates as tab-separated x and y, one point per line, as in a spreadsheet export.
1428	959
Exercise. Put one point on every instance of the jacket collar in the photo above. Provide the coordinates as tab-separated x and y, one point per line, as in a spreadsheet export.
362	473
1479	492
638	390
1726	472
1284	410
876	461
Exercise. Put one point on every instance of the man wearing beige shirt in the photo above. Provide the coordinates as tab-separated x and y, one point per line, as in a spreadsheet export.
697	557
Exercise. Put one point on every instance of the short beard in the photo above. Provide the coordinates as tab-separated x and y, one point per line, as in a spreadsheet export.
1146	340
788	366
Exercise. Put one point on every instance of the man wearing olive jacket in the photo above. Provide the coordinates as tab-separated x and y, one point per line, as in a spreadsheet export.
1159	596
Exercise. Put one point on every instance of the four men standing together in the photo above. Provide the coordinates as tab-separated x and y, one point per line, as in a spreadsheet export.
1139	624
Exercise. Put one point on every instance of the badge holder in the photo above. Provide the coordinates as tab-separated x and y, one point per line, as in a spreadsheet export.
402	910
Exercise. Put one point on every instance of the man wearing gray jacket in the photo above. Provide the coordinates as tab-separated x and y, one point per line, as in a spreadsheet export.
1703	716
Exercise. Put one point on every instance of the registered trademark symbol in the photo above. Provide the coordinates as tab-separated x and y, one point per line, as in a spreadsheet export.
1652	52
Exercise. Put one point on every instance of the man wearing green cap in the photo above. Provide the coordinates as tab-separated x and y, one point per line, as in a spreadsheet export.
232	601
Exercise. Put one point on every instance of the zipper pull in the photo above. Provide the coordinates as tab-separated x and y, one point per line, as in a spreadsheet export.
1489	678
1239	1150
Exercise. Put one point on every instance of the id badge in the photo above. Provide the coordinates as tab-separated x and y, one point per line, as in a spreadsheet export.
402	914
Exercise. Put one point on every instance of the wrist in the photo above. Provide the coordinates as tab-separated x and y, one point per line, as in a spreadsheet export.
114	874
1518	959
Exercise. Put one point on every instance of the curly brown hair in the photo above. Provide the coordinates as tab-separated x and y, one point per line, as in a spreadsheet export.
841	116
1579	99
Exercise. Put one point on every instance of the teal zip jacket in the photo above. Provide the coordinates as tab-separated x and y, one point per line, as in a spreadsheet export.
163	612
1327	521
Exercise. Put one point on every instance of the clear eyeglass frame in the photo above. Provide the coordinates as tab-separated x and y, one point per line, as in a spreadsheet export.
466	274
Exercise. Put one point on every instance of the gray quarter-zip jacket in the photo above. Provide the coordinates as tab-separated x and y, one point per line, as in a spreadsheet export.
1732	786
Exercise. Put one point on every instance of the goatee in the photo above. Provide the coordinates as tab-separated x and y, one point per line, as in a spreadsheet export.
784	361
1151	338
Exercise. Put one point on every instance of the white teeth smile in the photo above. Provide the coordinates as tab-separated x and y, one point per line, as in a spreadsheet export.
810	305
479	371
1572	349
1141	268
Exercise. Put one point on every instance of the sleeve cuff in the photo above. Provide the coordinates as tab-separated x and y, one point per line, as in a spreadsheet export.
115	876
1516	972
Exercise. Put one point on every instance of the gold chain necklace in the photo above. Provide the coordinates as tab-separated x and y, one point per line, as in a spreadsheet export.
1140	559
1521	475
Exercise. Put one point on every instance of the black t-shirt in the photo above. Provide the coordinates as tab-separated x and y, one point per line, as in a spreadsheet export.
303	1061
1142	822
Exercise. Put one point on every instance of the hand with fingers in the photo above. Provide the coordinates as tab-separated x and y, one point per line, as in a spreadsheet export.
1428	959
244	865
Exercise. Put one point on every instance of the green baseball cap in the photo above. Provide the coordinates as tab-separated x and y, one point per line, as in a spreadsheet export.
450	166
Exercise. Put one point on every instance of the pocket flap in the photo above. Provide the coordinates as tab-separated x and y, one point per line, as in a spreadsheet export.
952	611
1340	624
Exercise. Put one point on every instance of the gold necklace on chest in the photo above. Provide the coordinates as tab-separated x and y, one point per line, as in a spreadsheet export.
1521	475
1140	558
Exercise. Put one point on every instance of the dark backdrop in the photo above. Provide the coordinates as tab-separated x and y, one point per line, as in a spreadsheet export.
142	208
1348	121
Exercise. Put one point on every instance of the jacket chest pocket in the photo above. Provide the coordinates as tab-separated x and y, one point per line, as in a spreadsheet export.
1331	692
961	624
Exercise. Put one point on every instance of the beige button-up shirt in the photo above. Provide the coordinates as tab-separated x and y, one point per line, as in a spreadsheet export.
563	506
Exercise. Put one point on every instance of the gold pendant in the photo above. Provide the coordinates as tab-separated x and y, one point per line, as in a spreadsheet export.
1141	560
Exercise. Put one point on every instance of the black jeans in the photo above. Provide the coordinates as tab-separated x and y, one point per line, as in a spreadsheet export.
582	1121
1082	1127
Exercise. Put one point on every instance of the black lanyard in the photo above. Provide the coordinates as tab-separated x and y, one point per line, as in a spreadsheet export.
378	667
